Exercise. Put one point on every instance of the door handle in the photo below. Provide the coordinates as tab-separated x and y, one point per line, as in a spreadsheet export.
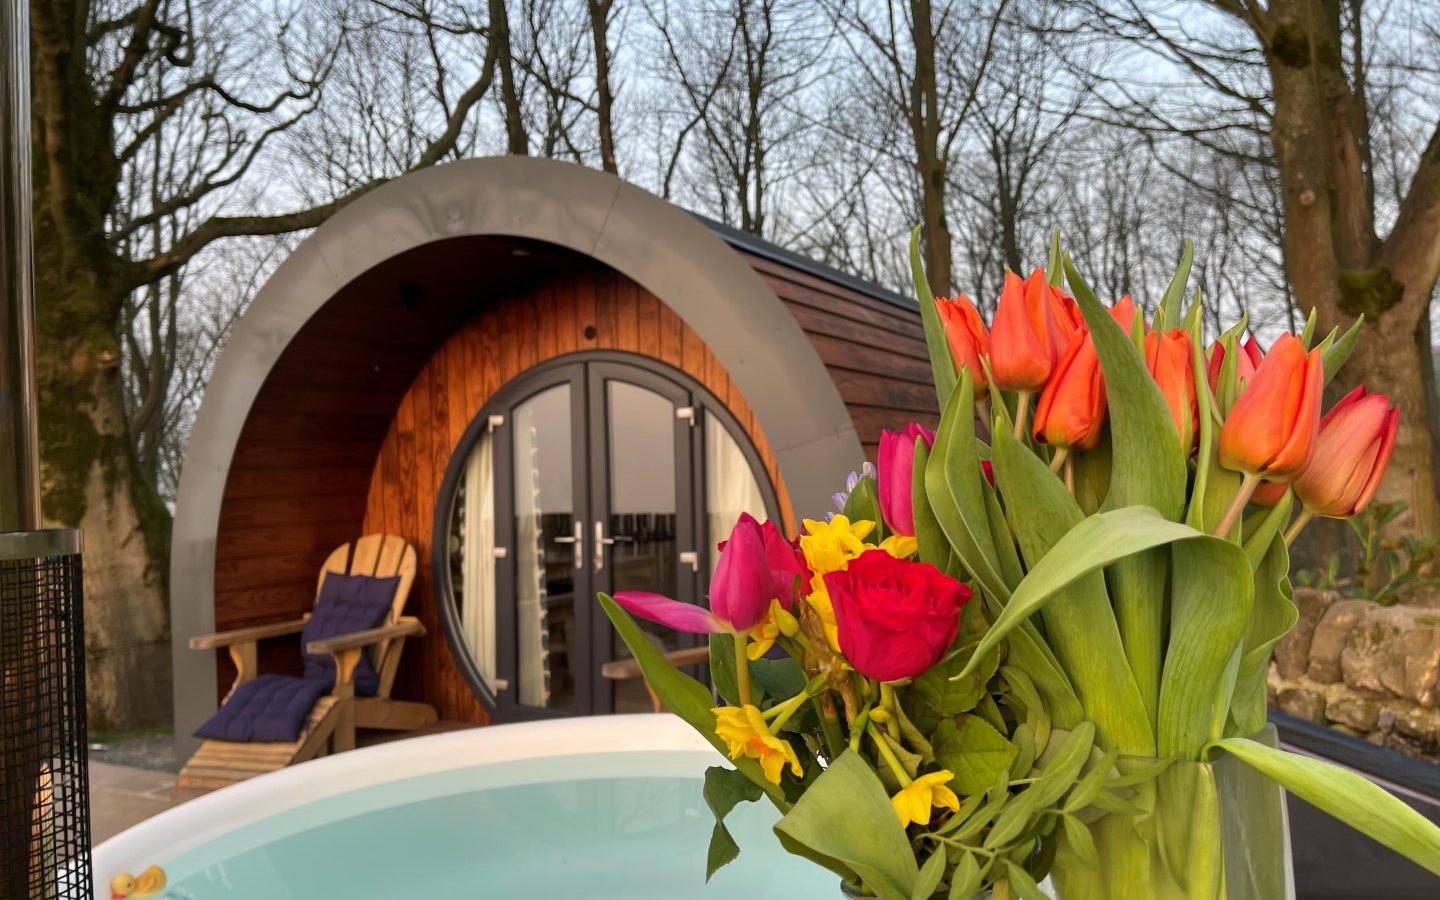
578	538
601	542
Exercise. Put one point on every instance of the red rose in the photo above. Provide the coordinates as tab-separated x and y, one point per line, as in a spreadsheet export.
896	618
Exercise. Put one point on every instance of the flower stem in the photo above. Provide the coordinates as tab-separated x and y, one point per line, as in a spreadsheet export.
1061	455
1300	522
889	756
1248	484
1070	474
982	407
742	668
1022	412
887	701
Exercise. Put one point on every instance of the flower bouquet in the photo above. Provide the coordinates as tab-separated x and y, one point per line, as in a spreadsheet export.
1034	643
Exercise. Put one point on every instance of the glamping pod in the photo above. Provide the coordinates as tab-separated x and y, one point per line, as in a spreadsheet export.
549	383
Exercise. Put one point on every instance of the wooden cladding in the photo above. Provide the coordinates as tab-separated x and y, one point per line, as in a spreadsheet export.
593	309
874	350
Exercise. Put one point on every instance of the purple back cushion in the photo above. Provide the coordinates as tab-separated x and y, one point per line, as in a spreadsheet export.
347	603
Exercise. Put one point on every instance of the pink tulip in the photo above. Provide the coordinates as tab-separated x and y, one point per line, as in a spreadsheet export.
896	465
757	565
1351	452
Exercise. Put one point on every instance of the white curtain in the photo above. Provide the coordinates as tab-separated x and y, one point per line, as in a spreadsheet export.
531	593
730	486
477	613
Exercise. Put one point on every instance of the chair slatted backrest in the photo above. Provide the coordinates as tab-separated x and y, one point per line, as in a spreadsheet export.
380	556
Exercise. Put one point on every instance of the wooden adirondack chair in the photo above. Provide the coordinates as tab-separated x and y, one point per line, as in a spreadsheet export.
332	721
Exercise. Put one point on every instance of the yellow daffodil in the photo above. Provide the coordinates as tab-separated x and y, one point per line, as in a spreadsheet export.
819	600
914	801
777	621
900	546
829	546
747	734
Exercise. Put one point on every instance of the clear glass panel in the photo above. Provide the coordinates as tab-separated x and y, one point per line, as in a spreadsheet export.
731	487
641	431
472	557
544	550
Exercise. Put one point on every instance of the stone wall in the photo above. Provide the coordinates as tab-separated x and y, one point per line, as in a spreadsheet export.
1368	670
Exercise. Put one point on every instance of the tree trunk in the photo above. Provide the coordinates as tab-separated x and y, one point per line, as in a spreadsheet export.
1392	357
92	480
604	99
930	166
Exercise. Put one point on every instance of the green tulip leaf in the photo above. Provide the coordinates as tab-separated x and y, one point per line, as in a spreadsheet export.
952	483
1349	797
722	668
1054	268
1272	616
941	362
1094	543
930	538
1080	625
847	817
974	751
1149	467
1211	593
1337	353
1172	302
681	694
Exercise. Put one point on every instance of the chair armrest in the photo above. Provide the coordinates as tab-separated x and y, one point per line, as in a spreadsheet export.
624	669
245	635
406	627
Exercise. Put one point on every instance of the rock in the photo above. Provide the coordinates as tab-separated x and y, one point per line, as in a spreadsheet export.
1395	651
1358	713
1419	725
1328	640
1292	655
1302	703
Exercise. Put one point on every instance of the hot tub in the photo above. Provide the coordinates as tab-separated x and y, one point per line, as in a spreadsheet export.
578	808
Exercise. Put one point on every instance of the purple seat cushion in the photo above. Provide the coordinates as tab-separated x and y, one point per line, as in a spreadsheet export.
267	708
347	603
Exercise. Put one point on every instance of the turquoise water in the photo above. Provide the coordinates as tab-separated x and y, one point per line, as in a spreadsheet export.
511	830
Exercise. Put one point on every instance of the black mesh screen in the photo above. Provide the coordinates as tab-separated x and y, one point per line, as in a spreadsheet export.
45	821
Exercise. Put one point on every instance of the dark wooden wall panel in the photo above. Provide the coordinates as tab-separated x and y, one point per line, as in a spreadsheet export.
874	349
500	342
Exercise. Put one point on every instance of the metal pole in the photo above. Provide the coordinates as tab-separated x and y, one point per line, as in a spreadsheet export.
19	443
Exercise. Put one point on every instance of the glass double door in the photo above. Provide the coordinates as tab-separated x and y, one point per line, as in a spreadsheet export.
594	491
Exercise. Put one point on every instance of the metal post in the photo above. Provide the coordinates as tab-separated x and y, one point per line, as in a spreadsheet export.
44	802
19	444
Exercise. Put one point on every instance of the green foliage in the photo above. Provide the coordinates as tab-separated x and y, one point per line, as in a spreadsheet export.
1387	563
724	790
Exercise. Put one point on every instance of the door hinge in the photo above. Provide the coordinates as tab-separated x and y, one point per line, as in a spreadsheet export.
687	413
494	422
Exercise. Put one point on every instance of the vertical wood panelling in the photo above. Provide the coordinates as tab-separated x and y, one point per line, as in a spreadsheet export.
493	347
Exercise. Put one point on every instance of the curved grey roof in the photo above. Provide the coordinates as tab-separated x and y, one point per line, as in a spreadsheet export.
663	248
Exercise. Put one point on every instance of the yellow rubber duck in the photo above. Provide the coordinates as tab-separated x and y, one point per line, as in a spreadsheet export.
147	884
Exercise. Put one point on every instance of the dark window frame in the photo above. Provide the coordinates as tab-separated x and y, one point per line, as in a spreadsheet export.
586	372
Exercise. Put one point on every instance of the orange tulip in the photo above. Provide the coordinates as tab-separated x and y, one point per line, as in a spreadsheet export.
1351	452
969	341
1271	429
1124	312
1167	356
1268	493
1072	405
1032	328
1245	364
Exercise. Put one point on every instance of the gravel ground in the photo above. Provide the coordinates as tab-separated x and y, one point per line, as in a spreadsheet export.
144	751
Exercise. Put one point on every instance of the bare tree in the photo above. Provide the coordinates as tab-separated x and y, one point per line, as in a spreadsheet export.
1300	77
920	69
739	73
601	12
209	88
